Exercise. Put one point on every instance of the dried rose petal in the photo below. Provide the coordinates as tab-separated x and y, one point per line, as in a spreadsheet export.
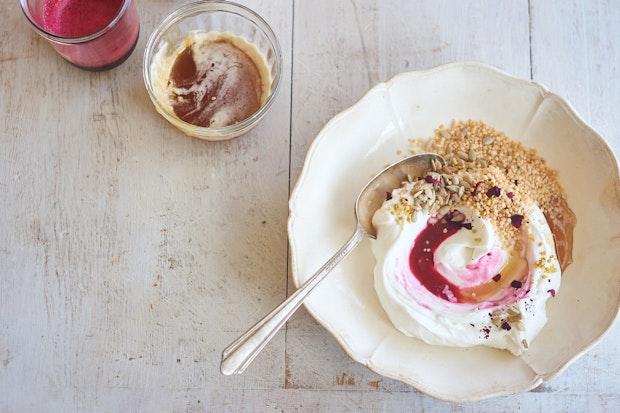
516	220
506	326
552	292
388	196
494	191
497	277
510	194
432	180
516	284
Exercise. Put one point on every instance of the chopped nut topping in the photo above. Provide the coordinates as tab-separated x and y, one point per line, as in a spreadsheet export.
490	173
509	315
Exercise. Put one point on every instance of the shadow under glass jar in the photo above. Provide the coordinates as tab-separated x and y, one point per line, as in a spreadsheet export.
92	35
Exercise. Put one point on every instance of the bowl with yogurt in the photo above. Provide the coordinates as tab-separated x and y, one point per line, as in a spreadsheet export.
469	253
491	272
212	69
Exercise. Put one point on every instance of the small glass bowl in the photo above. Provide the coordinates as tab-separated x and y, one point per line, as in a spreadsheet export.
221	16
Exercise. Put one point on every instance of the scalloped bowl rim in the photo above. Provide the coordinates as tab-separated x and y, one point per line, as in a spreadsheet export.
545	92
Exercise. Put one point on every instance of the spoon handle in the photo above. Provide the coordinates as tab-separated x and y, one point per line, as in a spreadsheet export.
238	356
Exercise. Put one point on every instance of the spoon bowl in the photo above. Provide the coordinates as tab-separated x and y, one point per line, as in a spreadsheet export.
238	356
374	193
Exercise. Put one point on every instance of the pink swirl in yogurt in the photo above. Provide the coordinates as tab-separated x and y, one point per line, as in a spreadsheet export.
475	283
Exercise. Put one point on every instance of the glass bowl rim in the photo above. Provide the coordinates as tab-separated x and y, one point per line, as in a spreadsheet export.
210	6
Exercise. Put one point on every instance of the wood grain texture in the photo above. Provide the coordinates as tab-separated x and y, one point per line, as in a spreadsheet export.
372	52
131	254
358	44
578	57
127	263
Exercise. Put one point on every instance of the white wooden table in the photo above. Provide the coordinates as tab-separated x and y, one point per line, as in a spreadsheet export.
128	262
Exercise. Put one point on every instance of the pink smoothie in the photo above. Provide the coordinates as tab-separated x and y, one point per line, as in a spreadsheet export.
79	18
76	18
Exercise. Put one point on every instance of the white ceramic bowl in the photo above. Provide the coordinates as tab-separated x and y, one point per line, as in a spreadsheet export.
358	142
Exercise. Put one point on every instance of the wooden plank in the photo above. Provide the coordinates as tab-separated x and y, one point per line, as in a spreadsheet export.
304	400
575	52
578	56
106	304
341	49
131	255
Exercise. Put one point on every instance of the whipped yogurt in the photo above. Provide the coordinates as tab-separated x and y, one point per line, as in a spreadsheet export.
456	284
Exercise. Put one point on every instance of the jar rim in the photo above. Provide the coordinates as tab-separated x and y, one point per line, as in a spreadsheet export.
68	39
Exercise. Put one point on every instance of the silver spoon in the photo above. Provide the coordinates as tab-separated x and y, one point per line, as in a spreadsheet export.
238	356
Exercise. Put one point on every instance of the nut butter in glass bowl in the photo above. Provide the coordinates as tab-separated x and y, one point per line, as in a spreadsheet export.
212	69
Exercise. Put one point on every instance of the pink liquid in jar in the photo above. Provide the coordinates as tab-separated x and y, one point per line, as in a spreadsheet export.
70	20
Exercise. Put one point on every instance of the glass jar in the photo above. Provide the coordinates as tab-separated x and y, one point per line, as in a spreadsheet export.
103	49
